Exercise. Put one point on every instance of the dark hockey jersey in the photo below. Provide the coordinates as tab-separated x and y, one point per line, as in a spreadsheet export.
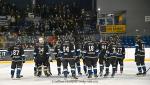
17	53
103	47
67	50
41	52
91	49
112	50
56	51
120	52
139	48
77	50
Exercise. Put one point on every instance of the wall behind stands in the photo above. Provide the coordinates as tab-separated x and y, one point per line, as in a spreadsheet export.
135	16
129	54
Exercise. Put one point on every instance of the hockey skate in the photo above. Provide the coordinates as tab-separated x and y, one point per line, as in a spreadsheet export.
74	77
138	74
35	73
95	75
47	74
90	76
112	75
18	76
65	74
115	71
144	73
101	74
121	72
80	74
12	76
50	73
39	74
86	74
59	74
106	74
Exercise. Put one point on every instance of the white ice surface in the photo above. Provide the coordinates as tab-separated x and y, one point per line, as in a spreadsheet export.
127	78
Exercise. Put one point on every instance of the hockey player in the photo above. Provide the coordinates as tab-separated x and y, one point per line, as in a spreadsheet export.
83	58
67	53
84	65
110	59
91	53
77	55
57	57
140	57
41	57
17	60
120	57
102	48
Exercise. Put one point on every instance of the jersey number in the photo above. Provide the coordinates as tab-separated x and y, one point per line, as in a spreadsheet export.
103	46
66	49
119	50
91	48
114	49
15	52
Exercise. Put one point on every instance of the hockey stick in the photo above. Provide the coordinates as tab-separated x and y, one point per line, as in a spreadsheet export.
147	69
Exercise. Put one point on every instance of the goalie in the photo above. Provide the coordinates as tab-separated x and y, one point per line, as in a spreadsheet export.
41	57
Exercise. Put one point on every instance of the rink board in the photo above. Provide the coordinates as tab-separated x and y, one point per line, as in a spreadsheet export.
129	55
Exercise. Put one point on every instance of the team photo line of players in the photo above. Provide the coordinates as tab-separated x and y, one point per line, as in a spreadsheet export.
110	52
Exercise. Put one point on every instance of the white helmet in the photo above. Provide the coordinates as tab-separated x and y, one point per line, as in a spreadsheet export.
41	40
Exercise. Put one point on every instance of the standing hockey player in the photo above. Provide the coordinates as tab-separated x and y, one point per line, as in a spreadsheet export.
67	55
57	57
41	57
77	55
140	57
102	48
17	60
83	58
120	57
91	53
111	58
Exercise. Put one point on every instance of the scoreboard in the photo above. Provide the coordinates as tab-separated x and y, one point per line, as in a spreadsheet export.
113	29
112	22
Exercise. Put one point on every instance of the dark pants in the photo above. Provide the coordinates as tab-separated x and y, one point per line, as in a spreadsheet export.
84	66
65	66
110	61
91	62
101	62
58	62
38	66
120	62
58	65
77	62
14	65
140	63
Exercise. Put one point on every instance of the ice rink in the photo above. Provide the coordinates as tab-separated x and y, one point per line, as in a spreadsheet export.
127	78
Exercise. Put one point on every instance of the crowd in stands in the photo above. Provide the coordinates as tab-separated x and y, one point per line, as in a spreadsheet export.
56	19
